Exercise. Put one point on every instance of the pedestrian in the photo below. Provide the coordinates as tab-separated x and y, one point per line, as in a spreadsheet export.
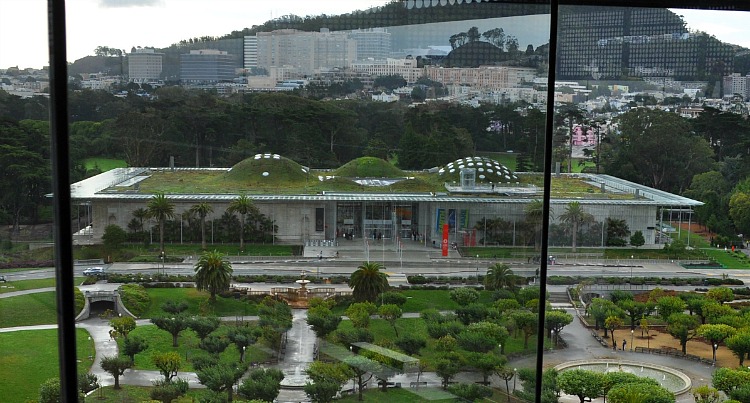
624	344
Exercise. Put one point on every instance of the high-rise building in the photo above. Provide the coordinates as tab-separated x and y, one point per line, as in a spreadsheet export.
206	66
144	65
613	42
736	83
250	50
307	52
373	43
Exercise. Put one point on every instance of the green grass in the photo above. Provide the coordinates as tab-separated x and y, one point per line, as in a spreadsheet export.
419	300
402	395
103	164
193	297
161	341
22	285
728	259
28	310
129	393
28	358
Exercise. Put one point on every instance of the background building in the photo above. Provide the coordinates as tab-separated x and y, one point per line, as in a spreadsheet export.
736	84
373	43
206	66
145	65
307	52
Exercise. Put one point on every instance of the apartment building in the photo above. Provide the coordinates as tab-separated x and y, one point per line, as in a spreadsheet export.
144	65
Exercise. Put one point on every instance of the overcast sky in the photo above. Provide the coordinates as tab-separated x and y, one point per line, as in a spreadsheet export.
123	24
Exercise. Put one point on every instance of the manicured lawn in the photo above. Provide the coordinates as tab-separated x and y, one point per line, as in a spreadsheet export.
194	299
151	255
104	164
28	358
736	260
419	300
161	341
22	285
129	393
27	310
405	395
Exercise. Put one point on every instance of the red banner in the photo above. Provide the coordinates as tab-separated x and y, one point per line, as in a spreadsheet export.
445	239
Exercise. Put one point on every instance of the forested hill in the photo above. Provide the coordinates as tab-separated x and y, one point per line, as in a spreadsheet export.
394	14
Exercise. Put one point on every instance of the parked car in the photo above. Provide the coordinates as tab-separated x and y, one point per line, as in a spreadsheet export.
94	271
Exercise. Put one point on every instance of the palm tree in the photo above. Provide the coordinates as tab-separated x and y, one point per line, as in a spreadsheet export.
212	273
368	281
160	208
242	205
202	210
575	216
534	212
499	276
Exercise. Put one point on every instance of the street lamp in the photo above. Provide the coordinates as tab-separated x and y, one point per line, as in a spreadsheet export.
552	337
477	263
515	374
631	339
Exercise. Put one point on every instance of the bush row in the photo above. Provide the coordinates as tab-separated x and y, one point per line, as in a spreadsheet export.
135	297
18	264
571	280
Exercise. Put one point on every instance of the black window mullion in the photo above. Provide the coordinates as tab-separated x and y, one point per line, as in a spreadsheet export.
63	231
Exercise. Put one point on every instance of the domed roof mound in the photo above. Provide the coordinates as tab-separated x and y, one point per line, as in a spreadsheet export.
369	167
268	167
487	170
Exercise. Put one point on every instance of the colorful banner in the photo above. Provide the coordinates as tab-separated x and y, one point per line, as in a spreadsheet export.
446	232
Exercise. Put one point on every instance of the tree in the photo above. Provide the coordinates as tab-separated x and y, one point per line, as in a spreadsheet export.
638	155
447	366
682	327
322	392
368	281
115	366
556	320
122	325
390	313
133	345
389	82
582	383
527	322
214	344
222	377
242	337
715	334
161	209
203	325
337	373
392	297
242	205
411	343
720	294
359	313
670	305
361	366
612	323
482	337
575	216
499	277
322	320
464	296
637	239
202	210
114	237
213	273
262	384
87	382
706	394
174	307
740	345
534	212
633	309
173	326
600	309
168	364
506	373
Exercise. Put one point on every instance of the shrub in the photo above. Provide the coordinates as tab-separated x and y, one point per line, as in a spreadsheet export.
411	344
135	298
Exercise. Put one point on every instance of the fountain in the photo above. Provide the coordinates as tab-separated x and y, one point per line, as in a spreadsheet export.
672	379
